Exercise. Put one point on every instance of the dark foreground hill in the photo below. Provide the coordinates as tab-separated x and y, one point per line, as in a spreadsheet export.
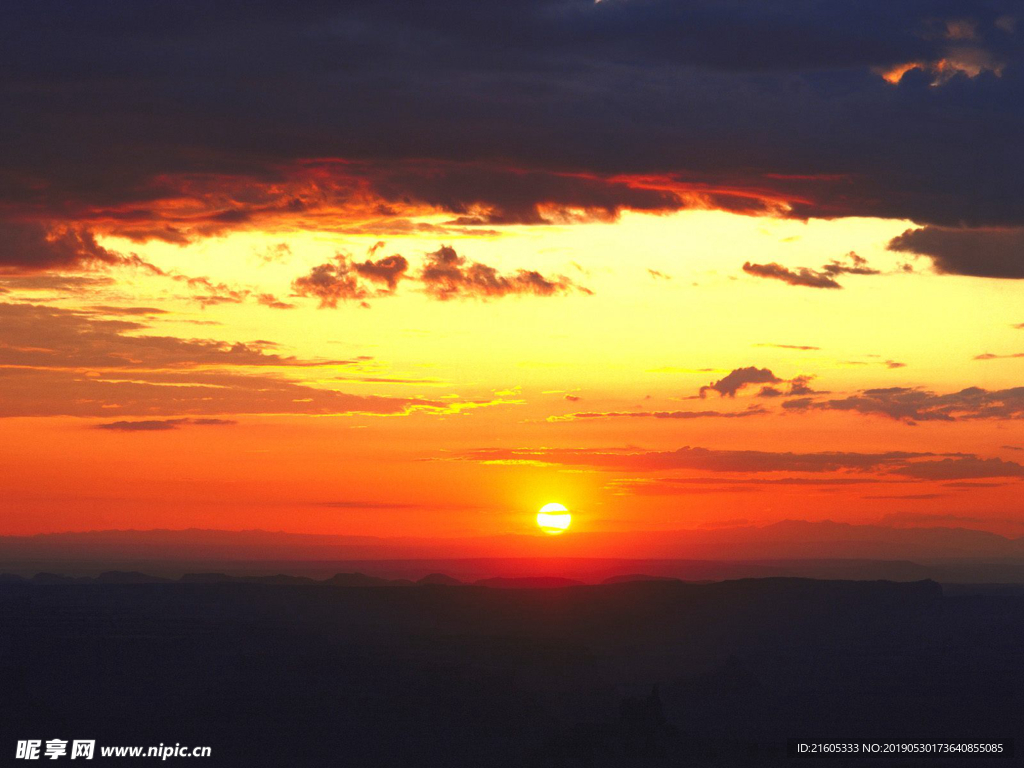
640	673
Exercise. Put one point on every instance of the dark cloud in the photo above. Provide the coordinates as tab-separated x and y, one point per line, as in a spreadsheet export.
490	195
801	385
729	385
811	278
682	486
801	276
911	405
344	280
669	415
892	464
446	275
523	112
962	468
853	264
701	459
162	425
332	282
387	271
30	247
959	251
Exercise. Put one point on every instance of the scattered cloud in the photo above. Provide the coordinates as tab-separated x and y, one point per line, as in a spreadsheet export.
992	356
968	61
332	282
800	385
668	415
387	271
801	347
162	425
801	276
346	280
682	486
271	301
737	379
889	464
199	393
912	405
446	275
700	459
275	252
962	468
38	336
78	363
811	278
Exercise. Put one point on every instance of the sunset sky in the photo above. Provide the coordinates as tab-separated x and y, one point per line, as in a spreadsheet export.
407	269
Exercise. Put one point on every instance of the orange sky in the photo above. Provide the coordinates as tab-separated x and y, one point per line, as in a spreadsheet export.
373	269
408	412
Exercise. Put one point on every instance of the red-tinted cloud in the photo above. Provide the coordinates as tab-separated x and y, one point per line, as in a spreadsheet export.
446	275
32	247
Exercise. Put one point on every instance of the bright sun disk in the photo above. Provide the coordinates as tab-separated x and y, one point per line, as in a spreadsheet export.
553	518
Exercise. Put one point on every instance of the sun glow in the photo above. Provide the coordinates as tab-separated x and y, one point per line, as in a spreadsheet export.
553	518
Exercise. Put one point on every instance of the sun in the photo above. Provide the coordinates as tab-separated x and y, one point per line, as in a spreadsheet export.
553	519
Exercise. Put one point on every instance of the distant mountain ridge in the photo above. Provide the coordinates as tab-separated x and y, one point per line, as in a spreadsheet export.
795	548
788	539
338	580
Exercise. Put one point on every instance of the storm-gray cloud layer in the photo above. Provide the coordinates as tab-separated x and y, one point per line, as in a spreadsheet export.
516	112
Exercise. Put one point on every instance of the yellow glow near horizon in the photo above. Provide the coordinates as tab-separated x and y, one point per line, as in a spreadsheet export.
553	518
